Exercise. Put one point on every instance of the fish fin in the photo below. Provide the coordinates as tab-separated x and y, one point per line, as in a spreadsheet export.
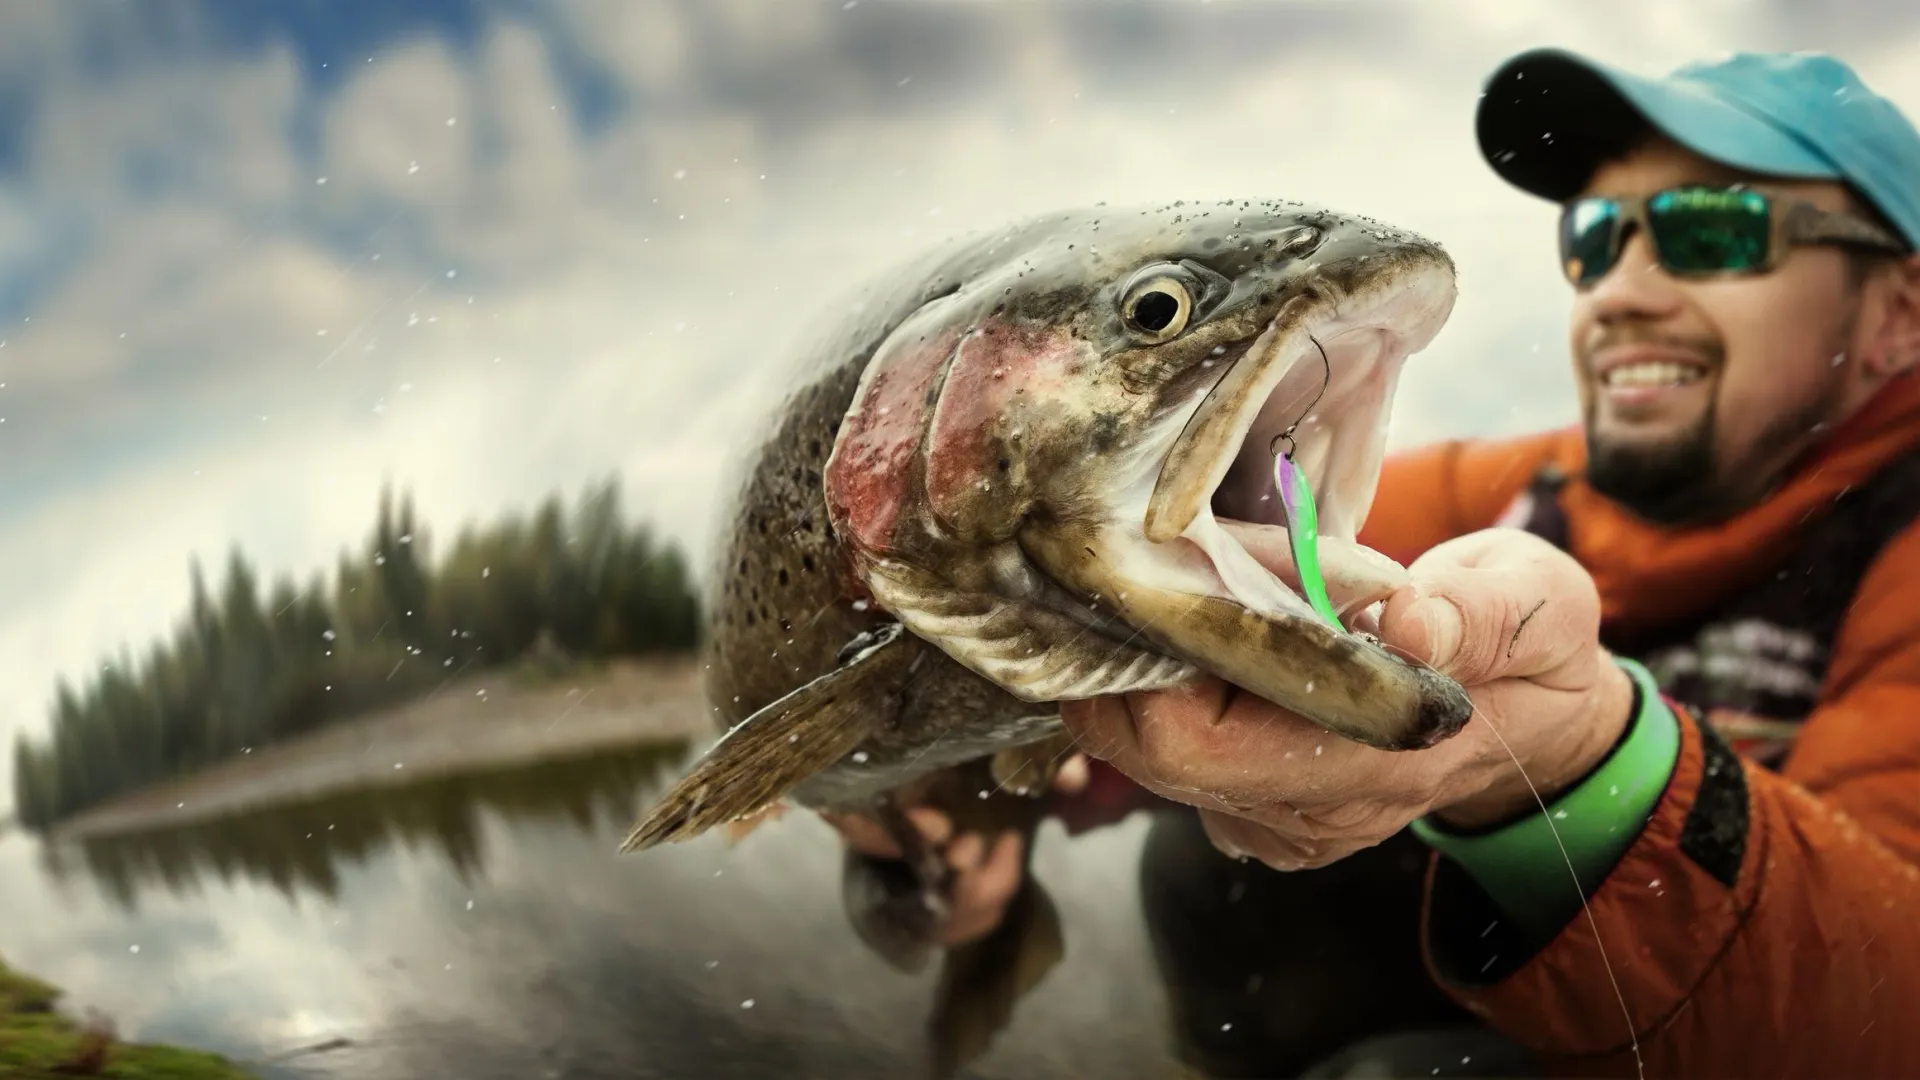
756	763
1030	769
981	983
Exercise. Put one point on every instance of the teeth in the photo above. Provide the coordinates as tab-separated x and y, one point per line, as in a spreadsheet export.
1654	374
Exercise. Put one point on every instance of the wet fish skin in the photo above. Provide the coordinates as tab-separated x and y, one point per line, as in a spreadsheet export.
987	493
993	456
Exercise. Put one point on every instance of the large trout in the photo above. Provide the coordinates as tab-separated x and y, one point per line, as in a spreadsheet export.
1037	465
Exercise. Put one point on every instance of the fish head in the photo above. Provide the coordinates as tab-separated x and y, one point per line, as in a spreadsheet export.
1061	471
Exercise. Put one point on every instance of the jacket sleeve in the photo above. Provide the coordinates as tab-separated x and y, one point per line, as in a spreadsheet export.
1761	923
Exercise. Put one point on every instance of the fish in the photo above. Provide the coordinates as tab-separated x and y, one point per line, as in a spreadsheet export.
1035	464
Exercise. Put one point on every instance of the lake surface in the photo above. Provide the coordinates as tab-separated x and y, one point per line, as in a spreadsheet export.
480	924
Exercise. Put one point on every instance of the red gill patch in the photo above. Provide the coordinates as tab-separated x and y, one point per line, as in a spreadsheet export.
869	478
999	376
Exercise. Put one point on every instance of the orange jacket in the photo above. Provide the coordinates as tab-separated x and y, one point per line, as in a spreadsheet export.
1809	964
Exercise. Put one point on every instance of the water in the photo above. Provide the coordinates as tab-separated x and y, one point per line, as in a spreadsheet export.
481	925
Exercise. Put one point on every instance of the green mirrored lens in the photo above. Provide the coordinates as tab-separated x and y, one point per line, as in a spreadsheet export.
1709	230
1586	239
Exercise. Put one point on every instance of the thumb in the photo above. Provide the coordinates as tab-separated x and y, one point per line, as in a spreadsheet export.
1503	605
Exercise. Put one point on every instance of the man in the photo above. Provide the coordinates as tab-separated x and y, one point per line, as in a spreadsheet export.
1698	636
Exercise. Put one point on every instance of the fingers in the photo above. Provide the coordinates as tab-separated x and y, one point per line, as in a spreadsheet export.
1073	776
868	837
985	878
1495	604
1149	736
1237	837
1210	745
985	881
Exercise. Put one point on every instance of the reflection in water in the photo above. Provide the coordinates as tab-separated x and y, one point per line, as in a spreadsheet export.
484	925
296	846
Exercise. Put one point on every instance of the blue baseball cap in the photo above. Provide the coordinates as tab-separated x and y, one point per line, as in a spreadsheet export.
1549	117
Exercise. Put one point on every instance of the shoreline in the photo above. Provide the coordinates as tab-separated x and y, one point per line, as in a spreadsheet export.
511	716
38	1040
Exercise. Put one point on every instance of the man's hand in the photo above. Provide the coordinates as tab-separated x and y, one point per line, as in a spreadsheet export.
1514	619
986	875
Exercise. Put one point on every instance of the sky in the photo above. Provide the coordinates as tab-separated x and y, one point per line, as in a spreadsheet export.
258	259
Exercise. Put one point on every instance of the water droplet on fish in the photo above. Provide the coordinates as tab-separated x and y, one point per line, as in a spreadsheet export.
859	757
1317	749
858	605
1309	681
748	1004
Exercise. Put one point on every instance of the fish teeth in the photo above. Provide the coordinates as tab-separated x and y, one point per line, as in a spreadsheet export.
1655	373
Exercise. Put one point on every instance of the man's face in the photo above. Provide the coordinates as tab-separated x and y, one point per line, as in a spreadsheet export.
1698	392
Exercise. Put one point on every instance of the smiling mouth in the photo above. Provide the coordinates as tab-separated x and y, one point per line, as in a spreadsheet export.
1650	375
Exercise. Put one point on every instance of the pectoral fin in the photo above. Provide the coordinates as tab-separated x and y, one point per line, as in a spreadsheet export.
765	756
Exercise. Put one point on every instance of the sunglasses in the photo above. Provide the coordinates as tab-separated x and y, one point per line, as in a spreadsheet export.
1700	231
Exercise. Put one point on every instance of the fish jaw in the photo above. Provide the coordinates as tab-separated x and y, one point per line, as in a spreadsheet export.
1195	554
1269	643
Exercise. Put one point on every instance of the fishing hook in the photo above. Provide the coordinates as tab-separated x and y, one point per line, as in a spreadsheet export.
1326	379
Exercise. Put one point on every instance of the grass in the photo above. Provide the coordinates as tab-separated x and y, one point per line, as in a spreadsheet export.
39	1043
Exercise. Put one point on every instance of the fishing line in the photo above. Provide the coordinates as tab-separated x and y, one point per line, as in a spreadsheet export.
1633	1038
1296	496
1326	379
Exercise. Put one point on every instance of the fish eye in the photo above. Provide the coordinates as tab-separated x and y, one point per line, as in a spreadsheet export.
1157	306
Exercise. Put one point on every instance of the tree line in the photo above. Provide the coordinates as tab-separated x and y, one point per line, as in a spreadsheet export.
248	665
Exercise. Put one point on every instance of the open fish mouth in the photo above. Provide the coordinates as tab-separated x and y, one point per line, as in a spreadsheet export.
1195	551
1319	382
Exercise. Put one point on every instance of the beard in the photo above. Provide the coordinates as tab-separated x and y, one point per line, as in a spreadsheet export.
1666	483
1685	479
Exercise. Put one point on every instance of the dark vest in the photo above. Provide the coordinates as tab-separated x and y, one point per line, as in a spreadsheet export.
1755	666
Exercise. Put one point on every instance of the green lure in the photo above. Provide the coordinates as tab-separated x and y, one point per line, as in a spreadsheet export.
1303	533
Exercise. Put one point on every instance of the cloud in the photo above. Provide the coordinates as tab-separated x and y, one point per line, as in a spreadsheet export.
637	213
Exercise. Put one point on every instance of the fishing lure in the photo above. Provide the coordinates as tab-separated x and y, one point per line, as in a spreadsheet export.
1303	533
1303	520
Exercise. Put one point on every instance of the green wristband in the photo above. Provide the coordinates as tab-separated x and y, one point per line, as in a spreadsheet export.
1523	865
